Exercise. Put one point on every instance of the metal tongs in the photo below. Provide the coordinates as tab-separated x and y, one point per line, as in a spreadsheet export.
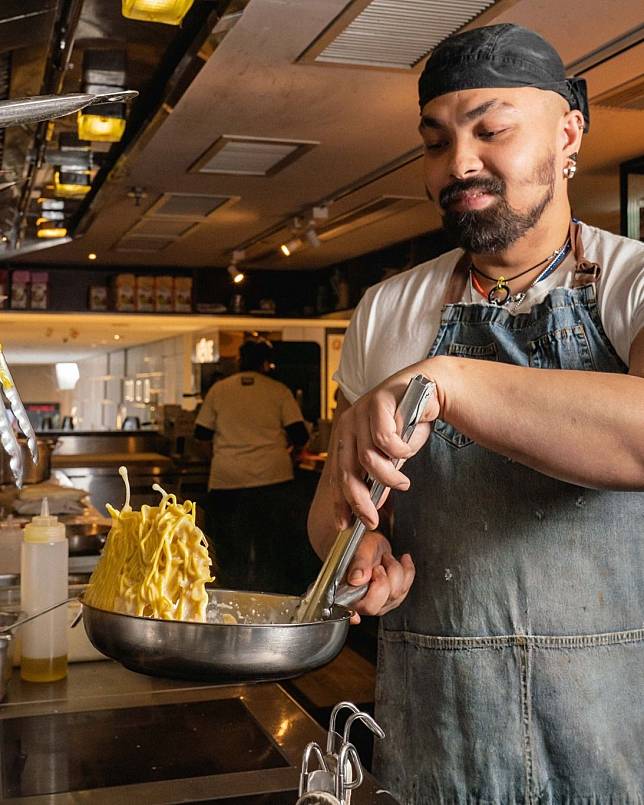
19	111
7	434
338	770
321	596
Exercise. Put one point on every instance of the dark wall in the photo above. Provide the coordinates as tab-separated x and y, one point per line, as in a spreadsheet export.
295	293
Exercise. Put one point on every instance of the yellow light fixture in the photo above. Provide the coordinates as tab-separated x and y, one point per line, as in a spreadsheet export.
170	12
68	189
51	232
100	128
91	256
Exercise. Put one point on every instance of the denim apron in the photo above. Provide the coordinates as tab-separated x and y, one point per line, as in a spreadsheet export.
514	670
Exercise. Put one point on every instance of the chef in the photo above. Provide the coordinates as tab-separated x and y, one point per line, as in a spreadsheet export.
512	670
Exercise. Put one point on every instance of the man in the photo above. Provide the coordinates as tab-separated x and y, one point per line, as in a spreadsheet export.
512	670
251	420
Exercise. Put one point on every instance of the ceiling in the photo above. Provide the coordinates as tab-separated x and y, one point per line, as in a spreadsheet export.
358	129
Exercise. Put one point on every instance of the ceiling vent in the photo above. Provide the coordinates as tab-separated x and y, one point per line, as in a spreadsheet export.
195	206
369	213
391	33
162	227
626	96
250	156
142	243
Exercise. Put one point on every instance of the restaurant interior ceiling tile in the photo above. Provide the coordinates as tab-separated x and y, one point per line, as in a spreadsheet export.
195	206
250	156
392	33
160	226
142	243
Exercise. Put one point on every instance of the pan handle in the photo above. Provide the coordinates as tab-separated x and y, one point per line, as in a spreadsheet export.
347	594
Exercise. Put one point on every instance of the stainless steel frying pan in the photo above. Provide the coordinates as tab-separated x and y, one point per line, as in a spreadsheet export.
262	645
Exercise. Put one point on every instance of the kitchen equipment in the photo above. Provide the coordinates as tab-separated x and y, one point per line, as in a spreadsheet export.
320	597
6	658
7	435
339	770
34	472
35	109
86	539
263	643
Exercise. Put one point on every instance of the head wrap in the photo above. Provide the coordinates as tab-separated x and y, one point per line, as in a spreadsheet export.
503	55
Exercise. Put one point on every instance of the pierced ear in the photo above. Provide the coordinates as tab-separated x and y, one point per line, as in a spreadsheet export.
573	131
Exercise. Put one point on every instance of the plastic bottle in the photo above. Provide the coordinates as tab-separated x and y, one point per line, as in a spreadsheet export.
43	582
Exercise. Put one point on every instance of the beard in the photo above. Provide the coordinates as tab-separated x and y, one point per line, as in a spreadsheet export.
495	228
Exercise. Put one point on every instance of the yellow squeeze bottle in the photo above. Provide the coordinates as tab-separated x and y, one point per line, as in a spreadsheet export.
43	582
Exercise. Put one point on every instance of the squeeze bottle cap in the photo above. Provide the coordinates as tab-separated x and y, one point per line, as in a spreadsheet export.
44	527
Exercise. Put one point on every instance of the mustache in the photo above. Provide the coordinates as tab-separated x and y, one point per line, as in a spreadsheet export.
485	185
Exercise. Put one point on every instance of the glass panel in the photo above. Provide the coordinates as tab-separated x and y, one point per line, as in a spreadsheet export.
74	751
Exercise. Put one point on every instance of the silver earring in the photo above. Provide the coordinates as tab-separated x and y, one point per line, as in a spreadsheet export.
571	169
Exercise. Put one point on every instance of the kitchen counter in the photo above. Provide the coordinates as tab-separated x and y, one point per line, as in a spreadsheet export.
108	736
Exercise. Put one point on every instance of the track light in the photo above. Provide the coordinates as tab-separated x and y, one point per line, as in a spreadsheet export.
236	275
291	246
312	238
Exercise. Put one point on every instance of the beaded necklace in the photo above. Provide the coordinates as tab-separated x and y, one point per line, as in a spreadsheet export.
500	294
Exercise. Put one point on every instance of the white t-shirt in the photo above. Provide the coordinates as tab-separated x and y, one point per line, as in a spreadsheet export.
396	322
248	413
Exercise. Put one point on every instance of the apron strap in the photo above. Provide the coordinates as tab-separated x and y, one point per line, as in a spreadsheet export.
458	281
585	271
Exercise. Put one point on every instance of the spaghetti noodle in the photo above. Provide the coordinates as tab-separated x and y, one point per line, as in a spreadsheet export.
155	562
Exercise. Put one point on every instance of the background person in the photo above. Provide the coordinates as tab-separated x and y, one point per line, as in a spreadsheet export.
251	419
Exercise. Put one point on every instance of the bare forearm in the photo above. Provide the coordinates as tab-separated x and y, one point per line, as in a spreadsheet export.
582	427
321	521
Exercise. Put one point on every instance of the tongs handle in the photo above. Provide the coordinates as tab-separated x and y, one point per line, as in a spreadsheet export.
321	596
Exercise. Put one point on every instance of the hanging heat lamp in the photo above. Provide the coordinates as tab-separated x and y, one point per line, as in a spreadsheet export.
171	12
103	71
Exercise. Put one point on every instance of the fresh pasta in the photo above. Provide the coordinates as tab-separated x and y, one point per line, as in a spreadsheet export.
155	562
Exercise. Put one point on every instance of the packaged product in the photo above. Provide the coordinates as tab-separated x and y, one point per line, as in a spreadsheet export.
164	294
125	292
98	297
145	294
183	294
39	290
20	290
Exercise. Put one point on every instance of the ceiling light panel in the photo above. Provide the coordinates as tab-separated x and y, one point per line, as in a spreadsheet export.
397	33
196	206
250	156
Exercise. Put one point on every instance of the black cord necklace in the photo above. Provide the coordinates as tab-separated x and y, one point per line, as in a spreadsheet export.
500	293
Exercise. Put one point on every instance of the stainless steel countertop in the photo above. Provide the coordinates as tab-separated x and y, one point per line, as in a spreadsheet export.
106	686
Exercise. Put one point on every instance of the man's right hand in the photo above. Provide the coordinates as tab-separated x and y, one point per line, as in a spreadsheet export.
389	579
